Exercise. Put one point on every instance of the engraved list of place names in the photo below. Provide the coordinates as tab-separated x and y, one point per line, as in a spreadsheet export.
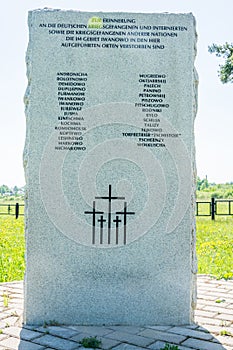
71	94
152	102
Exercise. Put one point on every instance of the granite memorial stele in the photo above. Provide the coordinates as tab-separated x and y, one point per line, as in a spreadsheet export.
110	165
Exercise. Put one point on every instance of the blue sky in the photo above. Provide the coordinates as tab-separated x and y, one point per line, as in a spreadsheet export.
214	122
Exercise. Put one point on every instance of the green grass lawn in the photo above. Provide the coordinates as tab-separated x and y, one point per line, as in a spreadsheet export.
11	248
214	247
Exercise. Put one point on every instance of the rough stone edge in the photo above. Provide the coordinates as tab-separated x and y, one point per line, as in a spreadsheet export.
193	193
28	59
49	9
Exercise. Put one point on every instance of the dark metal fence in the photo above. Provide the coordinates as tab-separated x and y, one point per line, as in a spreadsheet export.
221	207
12	209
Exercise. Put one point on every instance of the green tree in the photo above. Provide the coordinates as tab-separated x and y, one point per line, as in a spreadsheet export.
202	184
226	70
15	189
4	189
198	183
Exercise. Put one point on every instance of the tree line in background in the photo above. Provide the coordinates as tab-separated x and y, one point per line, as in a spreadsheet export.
205	190
11	191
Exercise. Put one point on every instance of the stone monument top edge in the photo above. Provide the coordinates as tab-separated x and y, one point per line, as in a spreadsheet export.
49	9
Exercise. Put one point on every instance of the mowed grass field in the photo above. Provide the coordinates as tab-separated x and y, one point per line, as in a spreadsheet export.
214	247
12	243
12	248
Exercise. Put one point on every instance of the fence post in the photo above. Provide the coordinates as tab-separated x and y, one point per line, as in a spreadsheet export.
212	208
16	210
